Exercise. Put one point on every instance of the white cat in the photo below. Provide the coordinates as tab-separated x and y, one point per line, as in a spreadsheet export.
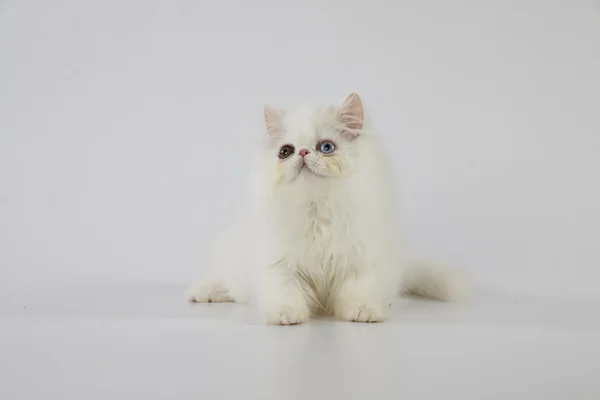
320	235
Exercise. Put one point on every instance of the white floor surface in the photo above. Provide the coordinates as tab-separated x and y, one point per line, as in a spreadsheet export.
146	342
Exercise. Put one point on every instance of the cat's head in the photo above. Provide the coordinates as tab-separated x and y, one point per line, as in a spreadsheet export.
311	142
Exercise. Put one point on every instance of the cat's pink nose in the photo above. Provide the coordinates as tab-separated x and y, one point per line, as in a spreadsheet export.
303	152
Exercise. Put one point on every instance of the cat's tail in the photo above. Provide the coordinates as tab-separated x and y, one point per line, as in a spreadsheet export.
435	282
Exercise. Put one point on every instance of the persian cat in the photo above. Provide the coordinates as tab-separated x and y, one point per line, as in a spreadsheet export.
320	232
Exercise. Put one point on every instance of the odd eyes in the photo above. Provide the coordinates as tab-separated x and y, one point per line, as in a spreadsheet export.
285	151
325	147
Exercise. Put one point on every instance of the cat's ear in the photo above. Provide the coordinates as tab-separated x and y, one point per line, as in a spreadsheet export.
274	121
351	114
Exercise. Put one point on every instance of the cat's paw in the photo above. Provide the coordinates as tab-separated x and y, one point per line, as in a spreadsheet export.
210	292
362	313
288	314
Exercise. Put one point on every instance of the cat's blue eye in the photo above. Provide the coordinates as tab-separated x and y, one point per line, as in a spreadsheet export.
327	147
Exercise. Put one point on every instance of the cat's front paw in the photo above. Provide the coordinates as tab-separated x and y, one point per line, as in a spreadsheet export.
287	316
362	313
210	292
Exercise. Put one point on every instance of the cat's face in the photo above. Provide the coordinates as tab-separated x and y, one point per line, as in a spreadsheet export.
314	142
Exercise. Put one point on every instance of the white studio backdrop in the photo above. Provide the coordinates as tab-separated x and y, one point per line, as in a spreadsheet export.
126	127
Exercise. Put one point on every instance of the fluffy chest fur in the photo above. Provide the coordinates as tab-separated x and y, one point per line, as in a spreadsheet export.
318	238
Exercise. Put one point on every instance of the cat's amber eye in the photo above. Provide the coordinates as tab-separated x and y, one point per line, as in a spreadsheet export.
285	151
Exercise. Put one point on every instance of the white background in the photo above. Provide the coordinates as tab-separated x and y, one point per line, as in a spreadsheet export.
126	126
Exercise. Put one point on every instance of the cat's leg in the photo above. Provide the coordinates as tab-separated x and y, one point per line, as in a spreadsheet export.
210	291
362	298
281	298
227	280
220	285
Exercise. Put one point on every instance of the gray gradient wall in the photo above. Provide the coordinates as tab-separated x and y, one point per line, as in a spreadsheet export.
126	127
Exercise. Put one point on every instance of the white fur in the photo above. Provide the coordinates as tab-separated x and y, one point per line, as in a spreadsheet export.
320	239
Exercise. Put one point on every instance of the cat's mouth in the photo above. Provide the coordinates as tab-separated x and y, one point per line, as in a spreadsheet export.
305	167
308	170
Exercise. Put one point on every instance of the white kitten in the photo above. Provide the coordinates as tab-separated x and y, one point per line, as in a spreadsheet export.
320	235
